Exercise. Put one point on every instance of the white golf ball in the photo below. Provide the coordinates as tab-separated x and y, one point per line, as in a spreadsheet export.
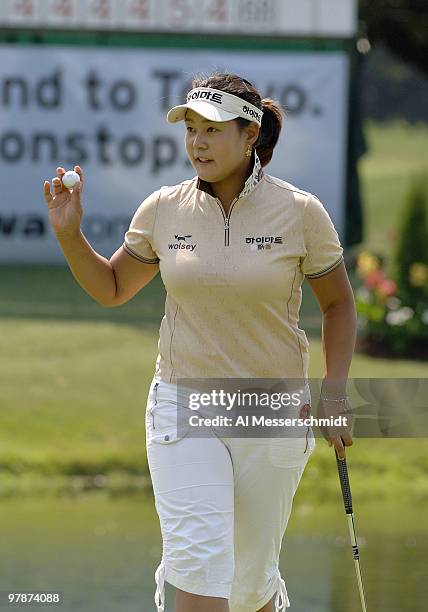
70	179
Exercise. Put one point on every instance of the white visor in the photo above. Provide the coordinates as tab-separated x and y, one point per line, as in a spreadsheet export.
215	105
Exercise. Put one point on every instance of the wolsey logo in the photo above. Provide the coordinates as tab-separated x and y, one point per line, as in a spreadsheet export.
179	244
206	95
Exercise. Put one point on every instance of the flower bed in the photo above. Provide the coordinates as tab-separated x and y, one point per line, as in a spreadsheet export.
388	324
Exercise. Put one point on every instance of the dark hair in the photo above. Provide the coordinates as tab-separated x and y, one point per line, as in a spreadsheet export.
273	115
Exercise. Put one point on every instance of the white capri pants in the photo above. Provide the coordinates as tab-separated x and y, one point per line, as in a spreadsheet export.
223	506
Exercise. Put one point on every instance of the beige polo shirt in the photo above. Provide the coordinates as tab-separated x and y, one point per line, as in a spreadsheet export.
233	281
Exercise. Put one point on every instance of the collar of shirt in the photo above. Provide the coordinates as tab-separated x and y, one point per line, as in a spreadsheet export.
251	182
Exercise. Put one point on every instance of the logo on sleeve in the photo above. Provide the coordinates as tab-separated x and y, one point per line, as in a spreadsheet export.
183	242
262	242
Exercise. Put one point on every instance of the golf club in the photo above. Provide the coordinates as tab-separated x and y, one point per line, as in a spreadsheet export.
347	500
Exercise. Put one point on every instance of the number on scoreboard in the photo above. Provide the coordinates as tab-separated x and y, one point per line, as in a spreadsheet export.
101	9
140	9
256	13
62	8
138	14
23	8
217	12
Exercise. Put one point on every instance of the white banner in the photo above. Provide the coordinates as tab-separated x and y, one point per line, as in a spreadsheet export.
105	109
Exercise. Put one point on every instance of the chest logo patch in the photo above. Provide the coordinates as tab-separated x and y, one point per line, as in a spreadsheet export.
260	243
182	242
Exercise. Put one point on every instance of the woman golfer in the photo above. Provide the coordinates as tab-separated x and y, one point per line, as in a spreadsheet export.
233	245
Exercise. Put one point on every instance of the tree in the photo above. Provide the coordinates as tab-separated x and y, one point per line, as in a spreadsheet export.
401	24
411	258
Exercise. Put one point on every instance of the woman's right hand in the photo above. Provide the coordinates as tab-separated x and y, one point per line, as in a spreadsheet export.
64	206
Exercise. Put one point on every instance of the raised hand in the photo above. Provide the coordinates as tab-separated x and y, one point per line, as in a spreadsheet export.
64	205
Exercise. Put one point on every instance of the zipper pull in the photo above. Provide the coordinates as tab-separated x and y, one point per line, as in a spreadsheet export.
226	223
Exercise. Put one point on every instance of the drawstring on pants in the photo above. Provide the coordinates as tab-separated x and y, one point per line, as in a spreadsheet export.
160	587
281	595
281	600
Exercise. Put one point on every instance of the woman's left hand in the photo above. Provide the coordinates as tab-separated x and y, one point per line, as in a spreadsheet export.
339	433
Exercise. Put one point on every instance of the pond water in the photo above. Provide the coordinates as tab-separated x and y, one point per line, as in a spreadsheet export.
101	554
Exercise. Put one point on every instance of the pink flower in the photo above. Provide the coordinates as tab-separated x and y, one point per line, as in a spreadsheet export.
374	278
387	287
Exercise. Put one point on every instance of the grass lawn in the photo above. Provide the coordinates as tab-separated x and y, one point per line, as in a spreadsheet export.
73	402
74	376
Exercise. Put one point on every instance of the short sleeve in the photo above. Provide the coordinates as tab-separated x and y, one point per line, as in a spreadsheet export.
324	252
138	240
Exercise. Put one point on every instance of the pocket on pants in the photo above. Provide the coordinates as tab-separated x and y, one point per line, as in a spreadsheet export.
294	449
291	452
164	421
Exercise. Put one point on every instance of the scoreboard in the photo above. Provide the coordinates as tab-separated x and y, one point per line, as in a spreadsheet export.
68	96
326	18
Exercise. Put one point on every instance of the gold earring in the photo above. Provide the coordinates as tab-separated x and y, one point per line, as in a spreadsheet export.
248	151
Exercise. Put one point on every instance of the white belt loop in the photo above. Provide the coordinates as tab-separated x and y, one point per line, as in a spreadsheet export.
160	587
281	595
